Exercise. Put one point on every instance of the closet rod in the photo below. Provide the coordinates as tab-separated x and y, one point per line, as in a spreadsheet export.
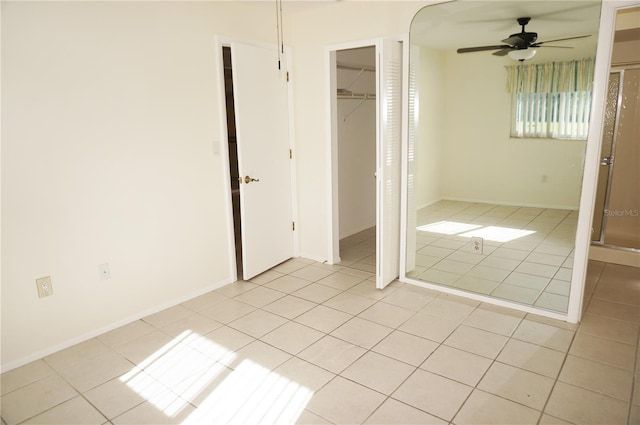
355	67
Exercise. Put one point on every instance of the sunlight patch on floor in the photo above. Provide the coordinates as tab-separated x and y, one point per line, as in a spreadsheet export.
250	393
490	233
498	234
174	364
448	227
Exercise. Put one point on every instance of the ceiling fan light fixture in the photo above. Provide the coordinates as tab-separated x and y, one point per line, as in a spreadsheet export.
522	54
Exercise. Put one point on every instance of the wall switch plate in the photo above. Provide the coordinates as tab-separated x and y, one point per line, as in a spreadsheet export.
476	244
44	286
104	271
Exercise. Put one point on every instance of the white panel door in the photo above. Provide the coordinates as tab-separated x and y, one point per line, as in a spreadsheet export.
262	130
388	161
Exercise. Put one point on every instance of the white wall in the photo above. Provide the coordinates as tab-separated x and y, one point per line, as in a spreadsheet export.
110	112
312	30
480	160
356	145
431	130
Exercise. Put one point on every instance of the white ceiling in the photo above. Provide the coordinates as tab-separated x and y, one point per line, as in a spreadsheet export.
470	23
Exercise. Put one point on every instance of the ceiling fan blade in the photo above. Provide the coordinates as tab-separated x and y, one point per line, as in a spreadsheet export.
555	47
561	39
482	48
502	52
514	40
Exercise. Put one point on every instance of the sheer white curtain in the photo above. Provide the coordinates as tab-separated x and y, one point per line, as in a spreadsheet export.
551	100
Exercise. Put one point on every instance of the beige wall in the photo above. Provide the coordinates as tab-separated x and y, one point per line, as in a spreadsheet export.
480	160
431	129
312	30
110	113
111	144
464	150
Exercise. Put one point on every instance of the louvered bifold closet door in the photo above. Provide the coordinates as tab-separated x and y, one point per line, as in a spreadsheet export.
388	161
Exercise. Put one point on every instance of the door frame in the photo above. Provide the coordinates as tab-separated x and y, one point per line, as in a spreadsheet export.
221	145
606	33
331	102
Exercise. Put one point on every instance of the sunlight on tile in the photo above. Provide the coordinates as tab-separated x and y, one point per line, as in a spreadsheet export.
447	227
499	234
252	394
249	394
172	364
490	233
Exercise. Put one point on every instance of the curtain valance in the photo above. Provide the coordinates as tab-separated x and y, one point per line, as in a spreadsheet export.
551	77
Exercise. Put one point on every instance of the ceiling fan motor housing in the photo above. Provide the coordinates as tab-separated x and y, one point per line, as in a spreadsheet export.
523	39
526	39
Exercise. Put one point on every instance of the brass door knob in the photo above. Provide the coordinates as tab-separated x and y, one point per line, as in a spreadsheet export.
248	180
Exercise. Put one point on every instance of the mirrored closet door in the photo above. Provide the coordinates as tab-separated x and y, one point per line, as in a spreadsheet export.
499	107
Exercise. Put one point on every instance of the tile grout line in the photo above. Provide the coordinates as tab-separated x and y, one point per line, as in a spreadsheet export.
78	393
557	378
635	386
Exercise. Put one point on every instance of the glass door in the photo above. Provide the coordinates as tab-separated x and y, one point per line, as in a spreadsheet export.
606	157
617	216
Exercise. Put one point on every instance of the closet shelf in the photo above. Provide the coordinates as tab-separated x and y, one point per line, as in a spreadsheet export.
346	94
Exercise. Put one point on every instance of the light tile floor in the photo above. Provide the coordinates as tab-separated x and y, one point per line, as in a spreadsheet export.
311	343
526	257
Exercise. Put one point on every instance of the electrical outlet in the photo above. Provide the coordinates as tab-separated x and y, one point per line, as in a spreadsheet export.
44	286
476	244
104	271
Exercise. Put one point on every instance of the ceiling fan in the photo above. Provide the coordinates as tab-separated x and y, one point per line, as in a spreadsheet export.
520	46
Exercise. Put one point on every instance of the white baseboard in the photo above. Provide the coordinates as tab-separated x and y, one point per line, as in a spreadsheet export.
512	204
358	230
428	204
312	257
103	329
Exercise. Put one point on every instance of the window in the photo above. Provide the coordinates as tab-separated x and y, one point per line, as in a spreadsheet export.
551	100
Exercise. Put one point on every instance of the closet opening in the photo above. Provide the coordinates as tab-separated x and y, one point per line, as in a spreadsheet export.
356	124
366	84
233	156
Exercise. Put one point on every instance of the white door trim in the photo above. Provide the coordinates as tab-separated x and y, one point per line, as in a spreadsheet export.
592	156
332	135
404	142
221	148
331	103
